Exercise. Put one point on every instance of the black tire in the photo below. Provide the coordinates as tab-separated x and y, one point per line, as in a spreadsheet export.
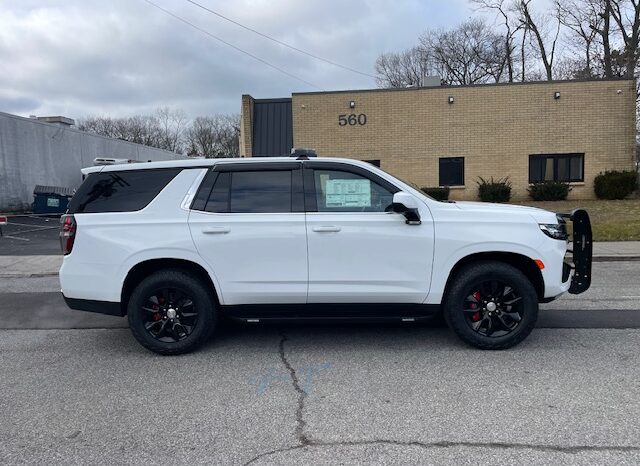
497	324
171	336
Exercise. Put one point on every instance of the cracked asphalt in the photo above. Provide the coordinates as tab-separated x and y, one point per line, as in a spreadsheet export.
75	388
321	394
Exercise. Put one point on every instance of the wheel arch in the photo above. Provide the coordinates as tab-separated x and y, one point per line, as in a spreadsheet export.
145	268
523	263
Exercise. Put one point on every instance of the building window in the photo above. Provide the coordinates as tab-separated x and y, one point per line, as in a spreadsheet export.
451	171
556	167
375	162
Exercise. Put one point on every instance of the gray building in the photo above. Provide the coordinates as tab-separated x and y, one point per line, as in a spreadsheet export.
48	151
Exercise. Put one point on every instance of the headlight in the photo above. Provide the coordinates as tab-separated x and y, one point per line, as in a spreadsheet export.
555	231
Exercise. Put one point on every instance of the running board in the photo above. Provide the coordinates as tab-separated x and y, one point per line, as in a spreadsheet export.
255	313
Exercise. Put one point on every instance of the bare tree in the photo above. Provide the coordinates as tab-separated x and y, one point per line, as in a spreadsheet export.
230	142
469	54
404	69
626	15
214	136
584	20
511	28
539	26
138	129
172	124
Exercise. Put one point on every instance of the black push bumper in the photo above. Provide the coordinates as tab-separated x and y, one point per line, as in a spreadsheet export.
582	242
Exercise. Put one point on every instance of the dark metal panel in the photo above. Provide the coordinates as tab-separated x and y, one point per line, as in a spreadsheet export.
272	127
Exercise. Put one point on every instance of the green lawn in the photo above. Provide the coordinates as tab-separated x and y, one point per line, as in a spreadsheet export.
610	220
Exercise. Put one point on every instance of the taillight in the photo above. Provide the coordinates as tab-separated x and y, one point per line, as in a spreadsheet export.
67	233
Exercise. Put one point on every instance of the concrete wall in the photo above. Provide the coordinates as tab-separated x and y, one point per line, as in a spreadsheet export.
494	127
33	152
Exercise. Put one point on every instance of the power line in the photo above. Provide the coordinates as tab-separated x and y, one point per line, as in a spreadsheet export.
279	41
204	31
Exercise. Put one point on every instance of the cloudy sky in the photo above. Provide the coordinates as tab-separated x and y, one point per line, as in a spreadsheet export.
124	57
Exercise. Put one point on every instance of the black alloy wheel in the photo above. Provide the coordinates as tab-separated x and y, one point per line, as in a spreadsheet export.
170	314
493	309
491	305
172	311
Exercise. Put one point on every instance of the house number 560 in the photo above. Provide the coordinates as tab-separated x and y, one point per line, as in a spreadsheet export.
352	119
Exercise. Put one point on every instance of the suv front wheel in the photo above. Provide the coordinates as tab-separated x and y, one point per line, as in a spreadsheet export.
171	312
491	305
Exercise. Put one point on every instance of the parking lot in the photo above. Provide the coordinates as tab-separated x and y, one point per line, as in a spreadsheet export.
30	235
77	388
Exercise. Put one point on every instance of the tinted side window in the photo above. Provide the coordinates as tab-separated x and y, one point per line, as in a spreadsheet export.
258	191
219	198
123	191
340	191
261	191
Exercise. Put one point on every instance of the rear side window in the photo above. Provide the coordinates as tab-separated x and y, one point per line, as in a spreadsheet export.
123	191
260	191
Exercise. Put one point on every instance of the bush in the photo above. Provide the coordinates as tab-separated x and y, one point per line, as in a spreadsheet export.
549	191
494	191
615	184
439	194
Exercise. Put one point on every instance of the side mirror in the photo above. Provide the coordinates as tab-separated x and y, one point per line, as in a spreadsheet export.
406	204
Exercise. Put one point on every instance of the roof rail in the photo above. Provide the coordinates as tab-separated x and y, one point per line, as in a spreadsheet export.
303	154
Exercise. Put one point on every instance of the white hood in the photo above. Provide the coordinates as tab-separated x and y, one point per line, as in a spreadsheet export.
540	215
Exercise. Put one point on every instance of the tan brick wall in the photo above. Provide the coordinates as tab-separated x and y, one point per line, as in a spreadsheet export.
246	126
495	127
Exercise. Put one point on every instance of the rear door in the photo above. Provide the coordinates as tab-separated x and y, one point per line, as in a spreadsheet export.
248	223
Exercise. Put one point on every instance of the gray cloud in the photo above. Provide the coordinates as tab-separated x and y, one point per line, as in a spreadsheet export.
122	57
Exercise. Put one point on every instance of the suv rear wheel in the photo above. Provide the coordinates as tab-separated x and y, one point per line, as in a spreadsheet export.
491	305
171	312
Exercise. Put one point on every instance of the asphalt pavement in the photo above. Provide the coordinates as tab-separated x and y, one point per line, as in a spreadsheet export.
76	388
320	395
30	235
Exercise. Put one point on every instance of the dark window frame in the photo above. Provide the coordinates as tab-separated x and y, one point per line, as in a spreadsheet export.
440	171
537	158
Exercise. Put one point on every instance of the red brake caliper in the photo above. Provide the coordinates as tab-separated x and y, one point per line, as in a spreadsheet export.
157	315
476	315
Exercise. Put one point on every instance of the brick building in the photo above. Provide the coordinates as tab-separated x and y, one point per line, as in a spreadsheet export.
452	135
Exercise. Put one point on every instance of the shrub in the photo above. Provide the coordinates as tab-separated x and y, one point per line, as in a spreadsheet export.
439	194
549	191
494	191
615	184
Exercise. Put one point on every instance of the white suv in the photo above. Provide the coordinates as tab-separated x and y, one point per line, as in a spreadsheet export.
177	245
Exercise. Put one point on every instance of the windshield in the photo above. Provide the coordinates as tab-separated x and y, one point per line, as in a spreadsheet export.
410	183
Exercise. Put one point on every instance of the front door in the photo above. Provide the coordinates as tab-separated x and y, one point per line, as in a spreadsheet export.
249	225
360	251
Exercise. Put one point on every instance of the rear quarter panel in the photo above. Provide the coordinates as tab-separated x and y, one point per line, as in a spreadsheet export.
108	245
